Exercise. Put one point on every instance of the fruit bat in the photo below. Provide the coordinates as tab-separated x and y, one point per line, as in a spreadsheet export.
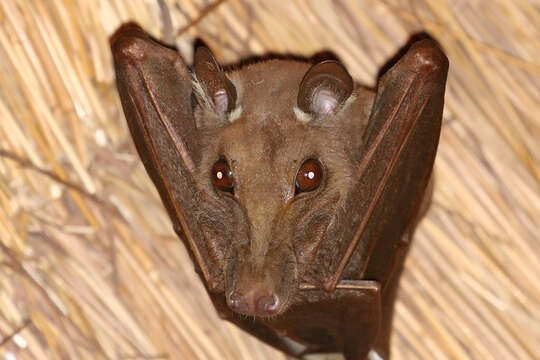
295	191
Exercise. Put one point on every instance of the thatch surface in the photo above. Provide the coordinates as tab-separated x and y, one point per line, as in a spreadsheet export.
89	266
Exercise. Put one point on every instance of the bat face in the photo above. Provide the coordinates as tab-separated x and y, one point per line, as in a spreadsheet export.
295	191
286	182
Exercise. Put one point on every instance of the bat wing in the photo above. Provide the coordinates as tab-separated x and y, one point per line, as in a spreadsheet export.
400	145
155	90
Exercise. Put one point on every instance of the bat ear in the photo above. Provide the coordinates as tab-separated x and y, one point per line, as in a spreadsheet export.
324	88
214	83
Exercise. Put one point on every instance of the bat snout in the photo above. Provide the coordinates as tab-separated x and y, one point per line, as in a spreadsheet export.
257	302
261	283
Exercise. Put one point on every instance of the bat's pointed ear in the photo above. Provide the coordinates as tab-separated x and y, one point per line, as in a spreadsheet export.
218	91
324	88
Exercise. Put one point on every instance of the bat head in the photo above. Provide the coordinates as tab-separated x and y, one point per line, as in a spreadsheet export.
281	139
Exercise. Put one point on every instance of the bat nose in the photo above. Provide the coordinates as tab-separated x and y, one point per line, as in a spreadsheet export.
238	303
254	303
267	305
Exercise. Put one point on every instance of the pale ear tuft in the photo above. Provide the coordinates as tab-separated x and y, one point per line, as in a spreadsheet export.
302	116
235	114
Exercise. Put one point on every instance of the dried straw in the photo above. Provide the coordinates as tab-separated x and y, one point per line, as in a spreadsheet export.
89	267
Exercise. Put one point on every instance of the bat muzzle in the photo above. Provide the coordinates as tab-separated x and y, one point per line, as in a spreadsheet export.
262	288
258	302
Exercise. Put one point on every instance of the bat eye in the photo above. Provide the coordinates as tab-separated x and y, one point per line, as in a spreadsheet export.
222	176
309	176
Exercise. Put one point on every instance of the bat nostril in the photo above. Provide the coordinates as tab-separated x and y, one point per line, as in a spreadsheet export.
238	303
267	304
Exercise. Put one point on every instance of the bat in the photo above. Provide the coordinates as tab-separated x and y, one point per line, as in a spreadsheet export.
295	190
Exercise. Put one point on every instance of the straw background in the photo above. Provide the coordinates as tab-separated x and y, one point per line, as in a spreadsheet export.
89	265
